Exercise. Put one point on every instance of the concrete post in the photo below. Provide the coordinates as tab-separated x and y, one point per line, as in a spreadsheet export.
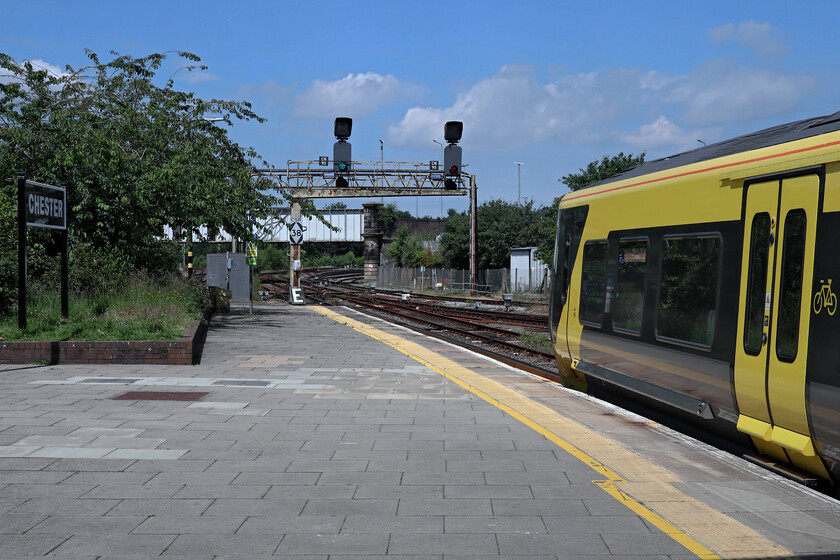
372	235
294	250
473	233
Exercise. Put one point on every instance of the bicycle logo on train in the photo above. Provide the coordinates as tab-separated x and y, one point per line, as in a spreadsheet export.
825	299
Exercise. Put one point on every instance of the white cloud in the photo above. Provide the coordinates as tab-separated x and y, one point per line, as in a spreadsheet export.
198	76
51	68
355	95
662	132
509	109
645	108
760	38
7	77
720	92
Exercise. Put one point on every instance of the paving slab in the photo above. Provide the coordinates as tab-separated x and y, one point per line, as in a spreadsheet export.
327	434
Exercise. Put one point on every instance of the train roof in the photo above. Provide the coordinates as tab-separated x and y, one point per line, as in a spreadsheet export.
763	138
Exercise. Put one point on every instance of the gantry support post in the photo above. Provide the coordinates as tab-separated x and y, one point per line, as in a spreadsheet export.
473	234
373	240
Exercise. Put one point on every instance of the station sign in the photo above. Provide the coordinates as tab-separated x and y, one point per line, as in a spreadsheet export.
45	205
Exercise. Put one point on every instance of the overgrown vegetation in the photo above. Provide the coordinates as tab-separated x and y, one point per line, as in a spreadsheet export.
407	250
388	217
538	341
348	259
136	154
142	308
602	169
502	226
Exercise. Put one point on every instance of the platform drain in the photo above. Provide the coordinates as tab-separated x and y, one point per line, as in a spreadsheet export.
161	396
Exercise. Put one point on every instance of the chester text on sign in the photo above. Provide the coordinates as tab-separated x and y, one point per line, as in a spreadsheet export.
46	206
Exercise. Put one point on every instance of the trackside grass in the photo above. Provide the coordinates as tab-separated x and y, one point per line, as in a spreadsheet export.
144	309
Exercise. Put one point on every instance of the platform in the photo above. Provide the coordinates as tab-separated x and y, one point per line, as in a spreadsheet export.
319	432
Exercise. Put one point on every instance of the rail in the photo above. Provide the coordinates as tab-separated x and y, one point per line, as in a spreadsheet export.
482	289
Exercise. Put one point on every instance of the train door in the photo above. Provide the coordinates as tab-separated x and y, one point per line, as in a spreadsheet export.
772	345
570	225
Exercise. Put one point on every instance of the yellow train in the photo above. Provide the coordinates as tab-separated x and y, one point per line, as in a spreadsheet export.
704	281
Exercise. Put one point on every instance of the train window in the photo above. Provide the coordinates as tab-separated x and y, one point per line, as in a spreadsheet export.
567	253
593	285
790	296
688	289
558	284
757	283
629	299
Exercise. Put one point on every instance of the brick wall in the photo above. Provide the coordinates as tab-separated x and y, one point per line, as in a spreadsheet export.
184	351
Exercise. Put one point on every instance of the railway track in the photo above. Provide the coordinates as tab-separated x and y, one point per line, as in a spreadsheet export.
500	334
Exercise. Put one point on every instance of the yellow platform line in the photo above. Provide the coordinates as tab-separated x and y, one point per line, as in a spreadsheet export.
642	486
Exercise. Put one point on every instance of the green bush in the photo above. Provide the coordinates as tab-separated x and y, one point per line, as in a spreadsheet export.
272	257
348	259
93	270
8	253
142	308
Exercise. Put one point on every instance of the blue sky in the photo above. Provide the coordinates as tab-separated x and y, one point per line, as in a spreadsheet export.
551	84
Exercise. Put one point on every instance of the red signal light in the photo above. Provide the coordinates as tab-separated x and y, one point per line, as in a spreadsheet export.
453	170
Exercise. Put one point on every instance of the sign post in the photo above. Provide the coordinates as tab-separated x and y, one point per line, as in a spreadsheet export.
251	261
296	229
21	187
44	206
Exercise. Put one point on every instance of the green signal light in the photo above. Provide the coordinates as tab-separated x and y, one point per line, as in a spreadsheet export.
342	166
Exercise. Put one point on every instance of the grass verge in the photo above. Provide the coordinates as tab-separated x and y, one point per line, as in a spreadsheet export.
144	309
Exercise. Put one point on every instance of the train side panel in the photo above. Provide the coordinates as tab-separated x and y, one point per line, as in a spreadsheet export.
823	349
659	278
612	329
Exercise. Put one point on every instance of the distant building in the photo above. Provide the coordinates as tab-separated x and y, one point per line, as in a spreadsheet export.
527	272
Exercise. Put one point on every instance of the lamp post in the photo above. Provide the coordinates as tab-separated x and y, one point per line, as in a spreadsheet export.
519	165
382	166
441	162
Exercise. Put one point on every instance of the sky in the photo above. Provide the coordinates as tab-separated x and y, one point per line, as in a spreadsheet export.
551	84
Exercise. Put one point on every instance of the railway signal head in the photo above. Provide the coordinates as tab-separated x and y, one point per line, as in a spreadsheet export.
451	166
343	126
452	131
342	159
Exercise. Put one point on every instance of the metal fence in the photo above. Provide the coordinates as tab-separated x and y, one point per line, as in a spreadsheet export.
489	281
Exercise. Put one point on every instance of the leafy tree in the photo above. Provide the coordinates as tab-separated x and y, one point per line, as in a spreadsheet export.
546	227
8	253
135	152
455	240
389	215
337	205
595	171
272	257
407	250
604	169
395	249
501	226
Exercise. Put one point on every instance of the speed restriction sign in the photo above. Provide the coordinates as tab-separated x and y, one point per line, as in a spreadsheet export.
296	233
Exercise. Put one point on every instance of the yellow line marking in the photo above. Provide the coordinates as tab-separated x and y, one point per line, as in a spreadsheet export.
644	487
